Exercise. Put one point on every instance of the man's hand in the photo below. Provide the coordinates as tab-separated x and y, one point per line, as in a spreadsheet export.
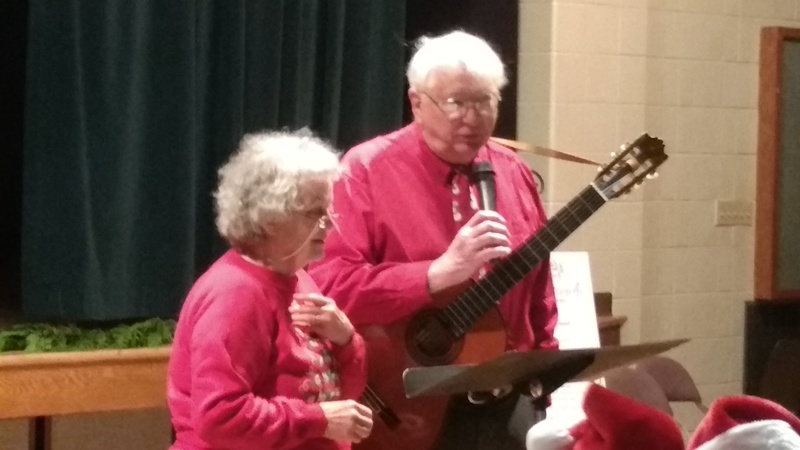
320	315
348	420
483	238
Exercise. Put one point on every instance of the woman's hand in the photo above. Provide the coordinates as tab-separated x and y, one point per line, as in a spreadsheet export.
320	315
348	420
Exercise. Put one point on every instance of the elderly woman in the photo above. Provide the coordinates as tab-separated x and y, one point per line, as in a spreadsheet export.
260	359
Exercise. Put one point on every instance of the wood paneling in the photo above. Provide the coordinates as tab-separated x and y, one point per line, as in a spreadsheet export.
49	384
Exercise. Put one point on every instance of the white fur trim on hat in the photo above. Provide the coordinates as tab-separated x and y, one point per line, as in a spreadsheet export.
762	434
548	435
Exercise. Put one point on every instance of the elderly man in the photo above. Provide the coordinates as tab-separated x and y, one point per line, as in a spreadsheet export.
409	226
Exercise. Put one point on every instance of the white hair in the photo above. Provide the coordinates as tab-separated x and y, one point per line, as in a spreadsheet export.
266	179
455	50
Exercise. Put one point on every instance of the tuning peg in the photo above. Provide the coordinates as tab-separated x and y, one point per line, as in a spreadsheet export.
637	185
624	146
651	176
600	168
613	154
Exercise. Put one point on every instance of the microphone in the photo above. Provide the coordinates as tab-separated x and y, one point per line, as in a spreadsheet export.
483	177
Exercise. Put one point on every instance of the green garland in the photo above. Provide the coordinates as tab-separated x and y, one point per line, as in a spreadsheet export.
41	337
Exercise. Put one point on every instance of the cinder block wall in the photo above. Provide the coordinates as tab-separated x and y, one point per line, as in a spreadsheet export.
596	73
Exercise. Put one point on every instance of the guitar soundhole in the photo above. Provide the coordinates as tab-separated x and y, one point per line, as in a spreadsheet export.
430	341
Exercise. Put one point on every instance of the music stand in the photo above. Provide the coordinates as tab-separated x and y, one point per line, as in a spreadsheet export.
536	373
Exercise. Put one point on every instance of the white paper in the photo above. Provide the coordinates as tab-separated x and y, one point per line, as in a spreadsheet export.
577	327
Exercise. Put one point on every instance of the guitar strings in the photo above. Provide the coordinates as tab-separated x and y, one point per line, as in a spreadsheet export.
463	313
376	404
372	399
467	313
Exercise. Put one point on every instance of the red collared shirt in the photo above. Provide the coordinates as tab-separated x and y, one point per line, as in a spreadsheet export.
396	215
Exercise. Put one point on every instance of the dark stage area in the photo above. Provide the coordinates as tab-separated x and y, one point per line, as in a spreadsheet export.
13	39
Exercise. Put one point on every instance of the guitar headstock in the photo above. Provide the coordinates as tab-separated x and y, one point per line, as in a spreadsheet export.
637	160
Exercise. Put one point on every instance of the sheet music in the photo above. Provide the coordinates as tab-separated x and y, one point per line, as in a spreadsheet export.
576	328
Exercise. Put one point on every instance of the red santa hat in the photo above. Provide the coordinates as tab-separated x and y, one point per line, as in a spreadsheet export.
613	422
746	423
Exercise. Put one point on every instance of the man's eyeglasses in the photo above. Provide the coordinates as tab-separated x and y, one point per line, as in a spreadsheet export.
455	109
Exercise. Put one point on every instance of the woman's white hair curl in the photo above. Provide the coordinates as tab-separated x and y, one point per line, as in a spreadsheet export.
455	50
265	180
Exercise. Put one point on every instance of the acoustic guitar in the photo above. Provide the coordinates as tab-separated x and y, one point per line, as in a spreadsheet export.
463	326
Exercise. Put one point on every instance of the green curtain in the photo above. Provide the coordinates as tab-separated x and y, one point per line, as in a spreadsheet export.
131	106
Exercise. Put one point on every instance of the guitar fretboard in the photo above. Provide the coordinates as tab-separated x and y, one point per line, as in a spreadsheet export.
469	307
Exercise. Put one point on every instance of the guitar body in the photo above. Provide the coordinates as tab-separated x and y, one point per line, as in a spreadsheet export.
389	354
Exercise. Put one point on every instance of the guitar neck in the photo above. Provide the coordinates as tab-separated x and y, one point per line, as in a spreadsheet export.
469	307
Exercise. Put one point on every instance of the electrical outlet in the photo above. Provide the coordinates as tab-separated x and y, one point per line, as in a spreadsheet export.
732	213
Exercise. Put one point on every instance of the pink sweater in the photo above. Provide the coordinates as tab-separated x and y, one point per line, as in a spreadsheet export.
241	377
395	207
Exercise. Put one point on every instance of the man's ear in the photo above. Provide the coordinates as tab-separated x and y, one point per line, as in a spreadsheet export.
414	99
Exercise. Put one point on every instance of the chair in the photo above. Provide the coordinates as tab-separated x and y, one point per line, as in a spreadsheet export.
656	381
637	385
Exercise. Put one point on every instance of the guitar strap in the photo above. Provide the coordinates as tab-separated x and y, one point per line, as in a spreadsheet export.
543	151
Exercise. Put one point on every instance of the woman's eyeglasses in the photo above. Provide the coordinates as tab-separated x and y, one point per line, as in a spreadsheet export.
323	218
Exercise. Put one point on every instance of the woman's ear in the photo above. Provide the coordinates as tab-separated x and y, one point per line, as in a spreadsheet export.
254	247
267	231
